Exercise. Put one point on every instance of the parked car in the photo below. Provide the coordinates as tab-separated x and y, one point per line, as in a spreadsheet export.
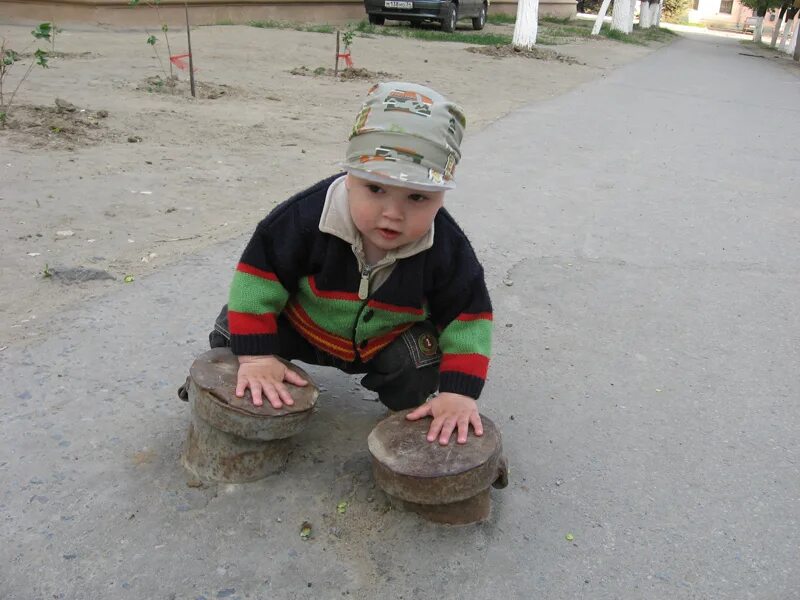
749	25
444	12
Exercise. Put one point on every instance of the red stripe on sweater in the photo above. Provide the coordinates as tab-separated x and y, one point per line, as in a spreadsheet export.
251	270
408	310
377	344
486	316
471	364
249	324
331	295
332	344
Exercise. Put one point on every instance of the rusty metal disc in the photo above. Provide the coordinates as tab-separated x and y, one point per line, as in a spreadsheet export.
212	390
409	467
215	372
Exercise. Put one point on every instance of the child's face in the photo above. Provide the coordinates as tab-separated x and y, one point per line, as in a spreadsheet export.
389	216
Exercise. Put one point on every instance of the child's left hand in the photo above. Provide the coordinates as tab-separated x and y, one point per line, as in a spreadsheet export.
449	411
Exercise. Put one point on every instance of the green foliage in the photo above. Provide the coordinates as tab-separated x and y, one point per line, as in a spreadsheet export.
347	38
501	19
151	39
43	31
41	58
10	56
674	10
589	6
760	7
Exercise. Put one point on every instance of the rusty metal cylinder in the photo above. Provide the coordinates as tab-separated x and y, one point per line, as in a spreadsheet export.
230	440
445	484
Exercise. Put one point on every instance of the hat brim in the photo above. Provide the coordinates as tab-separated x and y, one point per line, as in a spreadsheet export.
400	174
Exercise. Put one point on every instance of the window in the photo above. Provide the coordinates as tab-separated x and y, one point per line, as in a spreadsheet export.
726	7
695	4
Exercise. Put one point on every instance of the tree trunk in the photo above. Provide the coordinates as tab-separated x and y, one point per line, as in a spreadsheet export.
758	30
644	15
795	30
776	30
655	14
601	15
620	15
631	16
796	51
787	28
527	24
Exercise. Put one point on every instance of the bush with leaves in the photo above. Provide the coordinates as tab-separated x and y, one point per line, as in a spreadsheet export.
761	7
676	10
9	57
151	39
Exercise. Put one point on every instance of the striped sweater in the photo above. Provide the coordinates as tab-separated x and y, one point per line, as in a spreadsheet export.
290	267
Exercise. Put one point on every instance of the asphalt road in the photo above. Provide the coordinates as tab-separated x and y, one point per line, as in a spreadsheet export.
645	379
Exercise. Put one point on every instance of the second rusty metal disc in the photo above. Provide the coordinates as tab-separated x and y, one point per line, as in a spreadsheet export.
409	467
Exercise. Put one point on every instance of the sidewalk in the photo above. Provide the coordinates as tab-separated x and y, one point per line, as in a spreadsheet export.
645	381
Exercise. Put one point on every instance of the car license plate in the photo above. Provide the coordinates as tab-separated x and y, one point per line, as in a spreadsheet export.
398	4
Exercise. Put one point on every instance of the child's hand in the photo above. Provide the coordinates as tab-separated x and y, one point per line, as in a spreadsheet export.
449	411
265	375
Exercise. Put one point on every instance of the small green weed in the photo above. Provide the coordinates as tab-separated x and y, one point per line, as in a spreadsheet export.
501	19
309	27
625	38
9	56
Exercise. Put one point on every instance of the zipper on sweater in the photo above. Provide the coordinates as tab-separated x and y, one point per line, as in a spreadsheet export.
363	286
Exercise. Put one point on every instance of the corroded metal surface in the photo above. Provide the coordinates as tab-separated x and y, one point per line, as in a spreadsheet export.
212	454
212	389
446	484
230	439
472	510
406	465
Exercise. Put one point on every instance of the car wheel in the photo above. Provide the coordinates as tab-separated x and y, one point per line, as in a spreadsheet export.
450	17
479	21
377	19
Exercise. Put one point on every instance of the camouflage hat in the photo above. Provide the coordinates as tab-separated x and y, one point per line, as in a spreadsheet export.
407	135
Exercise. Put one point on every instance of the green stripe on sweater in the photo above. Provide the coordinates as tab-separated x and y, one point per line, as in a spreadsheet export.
467	337
255	295
335	316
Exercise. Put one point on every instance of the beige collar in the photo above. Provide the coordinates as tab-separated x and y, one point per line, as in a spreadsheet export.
337	221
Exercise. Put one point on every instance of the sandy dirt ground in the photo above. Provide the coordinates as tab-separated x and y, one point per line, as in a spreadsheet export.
122	178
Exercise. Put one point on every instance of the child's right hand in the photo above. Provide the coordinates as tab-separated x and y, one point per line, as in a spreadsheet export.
265	375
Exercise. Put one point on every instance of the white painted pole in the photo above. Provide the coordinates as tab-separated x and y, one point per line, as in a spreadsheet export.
657	20
787	28
632	14
795	34
527	24
620	15
601	15
644	14
758	30
776	30
796	49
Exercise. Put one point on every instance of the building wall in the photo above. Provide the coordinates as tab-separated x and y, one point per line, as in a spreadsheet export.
210	12
708	12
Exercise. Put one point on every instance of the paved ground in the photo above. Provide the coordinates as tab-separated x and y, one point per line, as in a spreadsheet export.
645	380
